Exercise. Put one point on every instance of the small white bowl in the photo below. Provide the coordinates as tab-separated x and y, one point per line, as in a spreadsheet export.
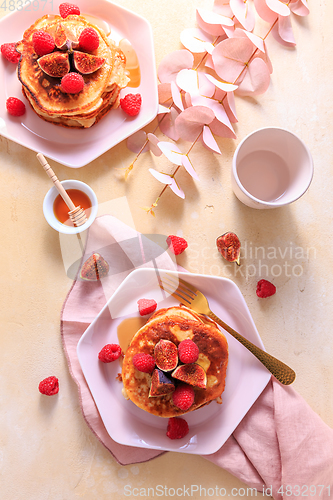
49	212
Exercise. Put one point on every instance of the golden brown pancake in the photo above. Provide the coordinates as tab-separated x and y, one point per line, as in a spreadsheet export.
101	89
176	324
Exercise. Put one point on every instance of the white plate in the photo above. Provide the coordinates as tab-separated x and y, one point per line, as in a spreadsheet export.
76	148
210	426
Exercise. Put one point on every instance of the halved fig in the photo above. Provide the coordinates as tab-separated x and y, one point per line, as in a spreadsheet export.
166	355
192	374
87	63
94	268
229	247
55	64
72	40
60	37
161	384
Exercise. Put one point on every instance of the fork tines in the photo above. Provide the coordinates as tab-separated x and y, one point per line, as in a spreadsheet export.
179	288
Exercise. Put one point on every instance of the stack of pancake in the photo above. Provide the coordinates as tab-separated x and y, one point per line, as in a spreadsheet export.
176	324
101	89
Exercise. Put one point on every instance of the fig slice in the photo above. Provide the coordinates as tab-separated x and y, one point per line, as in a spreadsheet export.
94	268
192	374
55	64
166	355
60	37
87	63
229	247
161	384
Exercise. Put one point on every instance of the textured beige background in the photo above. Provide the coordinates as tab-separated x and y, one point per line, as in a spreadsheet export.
46	449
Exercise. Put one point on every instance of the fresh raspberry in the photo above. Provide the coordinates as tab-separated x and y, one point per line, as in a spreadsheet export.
10	53
15	106
176	244
68	9
144	362
43	43
131	104
49	386
109	353
177	428
89	40
188	351
146	306
72	83
183	397
265	289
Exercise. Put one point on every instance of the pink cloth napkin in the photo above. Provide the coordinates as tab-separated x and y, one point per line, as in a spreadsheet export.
281	441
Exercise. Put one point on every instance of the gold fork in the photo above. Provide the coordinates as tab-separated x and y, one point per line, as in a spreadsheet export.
189	296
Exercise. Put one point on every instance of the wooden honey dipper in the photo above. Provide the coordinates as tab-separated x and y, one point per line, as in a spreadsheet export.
76	214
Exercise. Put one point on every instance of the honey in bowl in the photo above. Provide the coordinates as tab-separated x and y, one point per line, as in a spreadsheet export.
61	210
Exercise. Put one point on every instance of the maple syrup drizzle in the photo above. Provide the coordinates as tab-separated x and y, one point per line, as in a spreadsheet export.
100	23
127	329
61	210
132	63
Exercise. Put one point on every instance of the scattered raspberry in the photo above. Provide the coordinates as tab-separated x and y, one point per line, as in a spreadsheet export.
188	351
68	9
131	104
177	428
144	362
176	244
109	353
146	306
43	43
49	386
72	83
15	106
89	40
10	53
183	397
265	289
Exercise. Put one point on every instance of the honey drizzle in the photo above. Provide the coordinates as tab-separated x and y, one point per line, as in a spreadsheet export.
132	63
127	329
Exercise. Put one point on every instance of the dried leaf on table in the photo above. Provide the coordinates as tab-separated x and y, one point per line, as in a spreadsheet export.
244	13
209	141
172	63
190	122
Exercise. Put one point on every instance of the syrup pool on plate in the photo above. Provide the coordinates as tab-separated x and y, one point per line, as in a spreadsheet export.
127	329
61	210
264	175
132	63
97	21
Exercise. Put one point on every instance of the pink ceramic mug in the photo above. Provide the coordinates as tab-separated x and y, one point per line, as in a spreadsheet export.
272	167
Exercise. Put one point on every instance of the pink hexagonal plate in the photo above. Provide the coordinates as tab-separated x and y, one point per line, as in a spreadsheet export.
211	425
76	148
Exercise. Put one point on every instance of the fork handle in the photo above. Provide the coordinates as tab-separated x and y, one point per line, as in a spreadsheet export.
281	371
